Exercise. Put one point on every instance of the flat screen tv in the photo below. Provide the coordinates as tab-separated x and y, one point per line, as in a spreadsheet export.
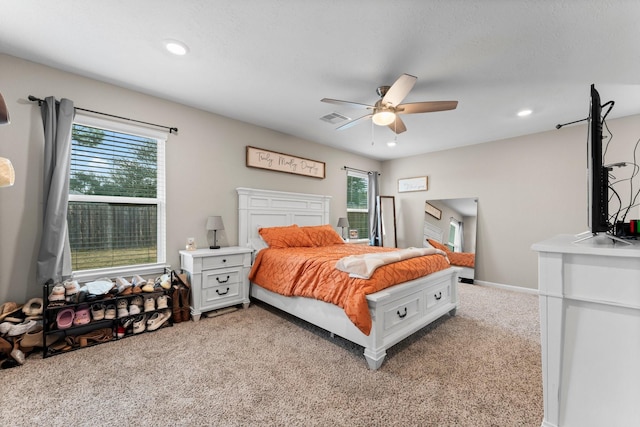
598	175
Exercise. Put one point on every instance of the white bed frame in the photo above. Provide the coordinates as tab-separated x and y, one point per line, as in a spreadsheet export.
396	312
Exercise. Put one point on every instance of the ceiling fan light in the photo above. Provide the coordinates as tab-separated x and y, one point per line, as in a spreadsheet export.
383	118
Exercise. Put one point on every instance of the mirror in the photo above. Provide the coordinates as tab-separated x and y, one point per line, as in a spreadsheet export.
388	236
452	223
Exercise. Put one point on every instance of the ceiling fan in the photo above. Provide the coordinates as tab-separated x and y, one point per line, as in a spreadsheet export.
386	110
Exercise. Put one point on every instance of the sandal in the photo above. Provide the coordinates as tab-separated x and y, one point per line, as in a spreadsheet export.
82	316
64	318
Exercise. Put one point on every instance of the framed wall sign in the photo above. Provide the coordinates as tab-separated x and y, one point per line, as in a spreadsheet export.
279	162
412	184
432	210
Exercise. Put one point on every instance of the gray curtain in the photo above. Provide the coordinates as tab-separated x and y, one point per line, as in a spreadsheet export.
374	213
54	257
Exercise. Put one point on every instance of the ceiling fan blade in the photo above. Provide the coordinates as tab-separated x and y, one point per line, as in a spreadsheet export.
399	90
354	122
397	126
426	107
347	103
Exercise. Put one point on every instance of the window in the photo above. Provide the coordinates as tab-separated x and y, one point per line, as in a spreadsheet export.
116	212
357	202
454	236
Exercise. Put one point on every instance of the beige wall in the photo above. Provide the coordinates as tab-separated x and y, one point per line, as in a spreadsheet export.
205	163
529	188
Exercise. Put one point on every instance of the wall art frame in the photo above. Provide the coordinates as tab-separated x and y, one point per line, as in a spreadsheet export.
432	210
280	162
418	183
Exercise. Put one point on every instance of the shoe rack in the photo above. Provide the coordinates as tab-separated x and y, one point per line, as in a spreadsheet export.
73	325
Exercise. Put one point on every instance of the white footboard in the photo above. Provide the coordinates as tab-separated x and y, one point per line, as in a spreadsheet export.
396	312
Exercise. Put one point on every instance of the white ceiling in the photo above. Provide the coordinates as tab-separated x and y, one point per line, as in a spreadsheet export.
269	62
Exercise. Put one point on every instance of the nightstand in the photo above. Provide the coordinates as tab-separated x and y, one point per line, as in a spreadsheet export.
219	277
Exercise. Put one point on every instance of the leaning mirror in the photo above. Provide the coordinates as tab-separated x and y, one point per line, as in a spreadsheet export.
450	225
388	221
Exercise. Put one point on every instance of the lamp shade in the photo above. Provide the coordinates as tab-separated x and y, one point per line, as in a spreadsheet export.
4	112
215	223
7	173
343	222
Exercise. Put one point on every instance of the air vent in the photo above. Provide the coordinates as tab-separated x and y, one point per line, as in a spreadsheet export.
334	118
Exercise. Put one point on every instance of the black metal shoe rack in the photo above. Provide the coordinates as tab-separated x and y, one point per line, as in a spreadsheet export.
57	341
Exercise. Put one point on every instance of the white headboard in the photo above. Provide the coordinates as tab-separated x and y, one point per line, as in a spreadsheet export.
268	208
431	232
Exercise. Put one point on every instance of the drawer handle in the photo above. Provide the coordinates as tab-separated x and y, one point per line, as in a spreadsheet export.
222	293
222	281
224	260
402	315
439	296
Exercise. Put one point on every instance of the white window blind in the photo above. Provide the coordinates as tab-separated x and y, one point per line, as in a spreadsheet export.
357	207
116	212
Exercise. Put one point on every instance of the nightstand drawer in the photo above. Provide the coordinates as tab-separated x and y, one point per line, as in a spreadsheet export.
218	294
220	277
222	261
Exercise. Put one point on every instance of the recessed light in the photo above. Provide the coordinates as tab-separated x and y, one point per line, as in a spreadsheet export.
176	47
392	143
524	113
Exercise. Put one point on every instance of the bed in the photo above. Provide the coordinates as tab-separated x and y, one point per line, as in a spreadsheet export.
395	312
465	261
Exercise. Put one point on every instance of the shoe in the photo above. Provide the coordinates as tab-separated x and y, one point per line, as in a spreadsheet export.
82	316
71	289
8	308
64	318
110	312
162	302
57	295
123	310
149	304
148	287
21	328
157	319
137	301
122	284
4	327
17	354
134	309
33	338
165	281
33	307
120	331
97	311
139	323
138	281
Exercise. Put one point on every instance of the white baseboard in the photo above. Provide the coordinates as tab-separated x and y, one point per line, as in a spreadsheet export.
506	287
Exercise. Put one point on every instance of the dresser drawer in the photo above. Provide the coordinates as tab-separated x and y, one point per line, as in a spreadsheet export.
402	311
222	261
438	295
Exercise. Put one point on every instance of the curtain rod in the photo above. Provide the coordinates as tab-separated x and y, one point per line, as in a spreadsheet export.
171	129
347	168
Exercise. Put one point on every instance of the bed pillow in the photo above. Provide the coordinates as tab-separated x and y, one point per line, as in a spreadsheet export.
438	245
290	236
322	235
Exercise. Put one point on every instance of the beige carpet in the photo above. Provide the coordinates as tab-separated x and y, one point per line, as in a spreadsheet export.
261	367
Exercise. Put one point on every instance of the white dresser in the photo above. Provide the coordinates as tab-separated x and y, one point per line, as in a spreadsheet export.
590	332
218	277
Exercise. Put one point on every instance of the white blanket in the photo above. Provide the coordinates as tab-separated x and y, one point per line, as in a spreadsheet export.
363	266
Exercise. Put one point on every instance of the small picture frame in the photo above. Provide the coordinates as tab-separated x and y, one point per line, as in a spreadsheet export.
191	244
353	234
432	210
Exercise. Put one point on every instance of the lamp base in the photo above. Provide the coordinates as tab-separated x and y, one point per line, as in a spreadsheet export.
214	247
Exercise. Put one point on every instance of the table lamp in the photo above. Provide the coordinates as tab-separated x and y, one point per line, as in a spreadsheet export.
214	223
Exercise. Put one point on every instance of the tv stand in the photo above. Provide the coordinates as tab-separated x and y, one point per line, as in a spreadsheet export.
589	235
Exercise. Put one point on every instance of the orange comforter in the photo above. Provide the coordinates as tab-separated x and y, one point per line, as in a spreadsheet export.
461	259
310	272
